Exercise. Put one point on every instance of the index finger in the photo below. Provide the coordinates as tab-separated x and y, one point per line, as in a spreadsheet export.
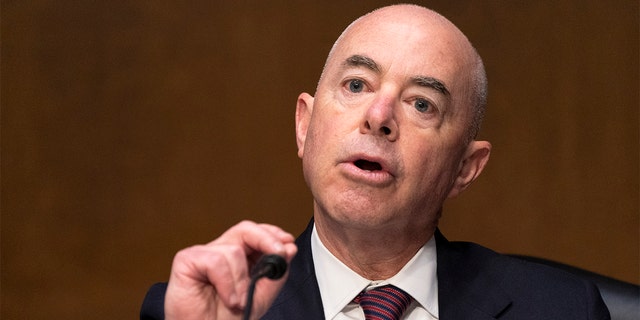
253	237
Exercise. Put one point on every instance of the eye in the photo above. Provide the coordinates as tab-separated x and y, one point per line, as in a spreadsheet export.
356	85
422	105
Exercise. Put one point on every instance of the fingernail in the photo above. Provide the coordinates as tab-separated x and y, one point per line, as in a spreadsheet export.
278	247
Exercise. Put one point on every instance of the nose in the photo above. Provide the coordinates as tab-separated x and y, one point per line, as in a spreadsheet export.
379	119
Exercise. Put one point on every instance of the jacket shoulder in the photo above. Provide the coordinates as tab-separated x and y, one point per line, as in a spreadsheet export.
511	287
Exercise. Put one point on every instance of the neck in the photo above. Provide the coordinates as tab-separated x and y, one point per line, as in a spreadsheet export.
375	253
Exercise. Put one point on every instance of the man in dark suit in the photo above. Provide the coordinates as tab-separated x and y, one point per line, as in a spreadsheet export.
387	138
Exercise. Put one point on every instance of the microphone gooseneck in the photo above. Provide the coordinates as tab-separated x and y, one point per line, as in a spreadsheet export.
271	266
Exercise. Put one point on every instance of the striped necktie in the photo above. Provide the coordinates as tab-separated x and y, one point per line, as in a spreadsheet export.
383	303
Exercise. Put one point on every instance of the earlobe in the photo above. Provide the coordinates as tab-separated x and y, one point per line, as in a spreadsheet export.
475	159
304	107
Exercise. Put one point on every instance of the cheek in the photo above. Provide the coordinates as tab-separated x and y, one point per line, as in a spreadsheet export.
316	148
329	129
431	165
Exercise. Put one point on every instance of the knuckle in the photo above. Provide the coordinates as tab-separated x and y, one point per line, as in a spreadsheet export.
185	254
246	224
236	252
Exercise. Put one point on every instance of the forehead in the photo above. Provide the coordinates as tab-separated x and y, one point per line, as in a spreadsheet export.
408	47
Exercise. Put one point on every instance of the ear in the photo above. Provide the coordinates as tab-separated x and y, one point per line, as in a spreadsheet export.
304	107
475	158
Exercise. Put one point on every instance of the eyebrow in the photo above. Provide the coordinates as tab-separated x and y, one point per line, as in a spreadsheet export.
358	60
430	82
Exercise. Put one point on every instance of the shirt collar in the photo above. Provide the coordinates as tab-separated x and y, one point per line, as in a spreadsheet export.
339	285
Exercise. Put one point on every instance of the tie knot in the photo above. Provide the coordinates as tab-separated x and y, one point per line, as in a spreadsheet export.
383	303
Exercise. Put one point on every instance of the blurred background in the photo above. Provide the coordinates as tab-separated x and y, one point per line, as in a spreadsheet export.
132	129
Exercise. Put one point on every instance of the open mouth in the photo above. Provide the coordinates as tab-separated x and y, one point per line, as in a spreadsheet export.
367	165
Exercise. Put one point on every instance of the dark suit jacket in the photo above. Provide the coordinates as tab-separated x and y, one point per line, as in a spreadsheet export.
474	283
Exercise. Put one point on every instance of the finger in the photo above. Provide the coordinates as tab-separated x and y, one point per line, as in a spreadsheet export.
217	274
290	249
224	262
202	271
284	236
254	238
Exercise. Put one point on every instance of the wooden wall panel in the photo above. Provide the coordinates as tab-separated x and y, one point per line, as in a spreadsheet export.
131	129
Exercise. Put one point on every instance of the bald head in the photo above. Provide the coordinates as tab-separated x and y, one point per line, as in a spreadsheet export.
387	137
431	37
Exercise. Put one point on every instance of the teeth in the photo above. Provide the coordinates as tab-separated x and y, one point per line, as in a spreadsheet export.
368	165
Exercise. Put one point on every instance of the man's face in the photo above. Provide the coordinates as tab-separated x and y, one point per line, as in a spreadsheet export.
382	142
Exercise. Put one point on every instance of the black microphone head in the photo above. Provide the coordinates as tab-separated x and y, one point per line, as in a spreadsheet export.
272	266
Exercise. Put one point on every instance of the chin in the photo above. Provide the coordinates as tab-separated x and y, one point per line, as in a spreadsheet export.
370	217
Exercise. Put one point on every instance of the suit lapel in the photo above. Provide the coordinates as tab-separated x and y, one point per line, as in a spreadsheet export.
468	281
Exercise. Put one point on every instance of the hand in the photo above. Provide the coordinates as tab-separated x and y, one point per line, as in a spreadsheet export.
211	281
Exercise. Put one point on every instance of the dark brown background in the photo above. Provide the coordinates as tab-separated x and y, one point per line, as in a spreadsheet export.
131	129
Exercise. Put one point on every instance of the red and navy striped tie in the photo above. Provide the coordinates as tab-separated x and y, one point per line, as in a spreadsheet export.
383	303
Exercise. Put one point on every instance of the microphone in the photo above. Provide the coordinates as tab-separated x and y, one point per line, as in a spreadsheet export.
271	266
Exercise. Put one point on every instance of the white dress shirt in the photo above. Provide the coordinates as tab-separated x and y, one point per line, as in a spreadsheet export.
339	285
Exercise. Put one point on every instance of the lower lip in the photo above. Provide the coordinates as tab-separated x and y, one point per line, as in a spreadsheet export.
378	178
